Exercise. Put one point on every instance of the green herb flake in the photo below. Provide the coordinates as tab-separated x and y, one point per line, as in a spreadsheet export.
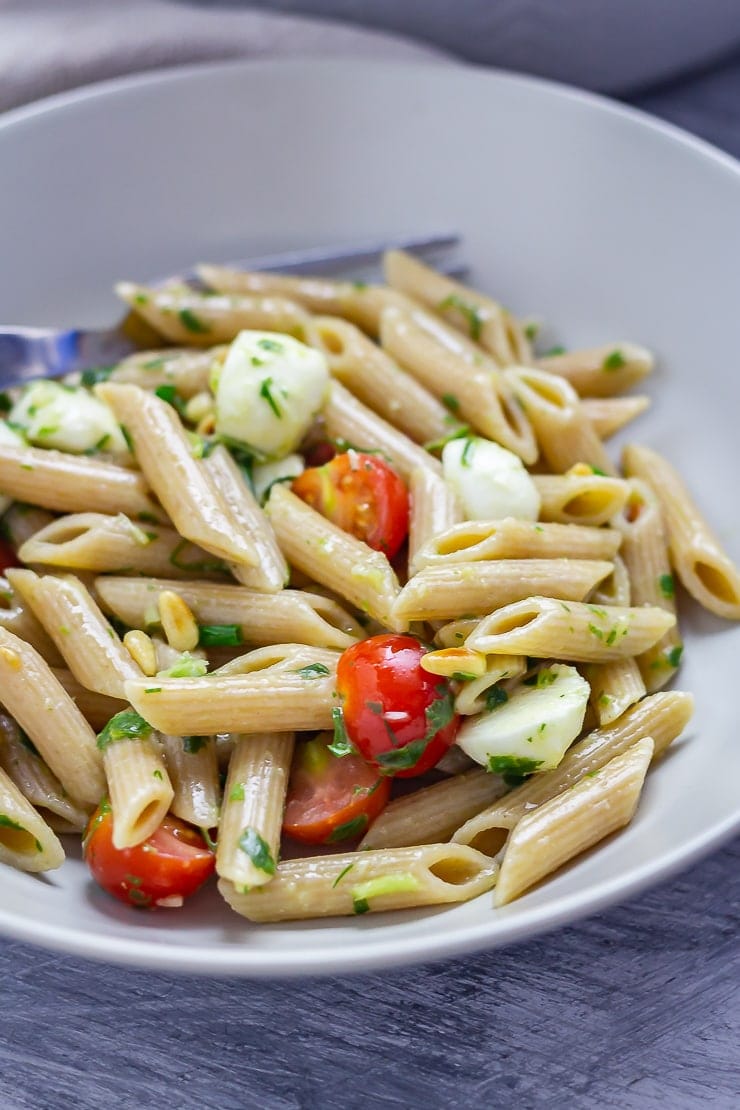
191	322
401	883
667	585
595	631
127	725
674	655
531	330
615	360
451	401
496	696
266	394
236	794
8	823
313	670
5	402
350	830
341	745
187	666
360	905
258	850
400	759
198	564
270	345
512	768
460	432
554	352
191	745
463	676
157	774
220	635
153	690
467	452
139	898
472	313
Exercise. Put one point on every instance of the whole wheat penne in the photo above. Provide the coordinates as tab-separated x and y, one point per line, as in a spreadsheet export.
615	589
375	379
20	522
645	553
272	699
564	433
442	592
473	313
96	708
348	419
310	662
433	508
194	319
614	686
291	616
186	369
183	485
87	642
661	716
580	496
700	561
601	371
334	558
139	788
74	483
480	540
455	633
270	570
16	617
37	701
254	800
22	763
572	822
192	765
470	381
354	300
93	541
358	882
608	415
26	841
549	628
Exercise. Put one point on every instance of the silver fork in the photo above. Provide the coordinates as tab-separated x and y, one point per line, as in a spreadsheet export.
27	353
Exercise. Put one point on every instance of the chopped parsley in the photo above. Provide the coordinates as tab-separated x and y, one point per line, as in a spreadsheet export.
615	360
270	345
341	874
463	676
169	394
451	402
341	744
266	395
438	444
542	678
531	329
496	696
349	830
96	374
258	850
191	745
554	352
471	312
187	666
400	759
467	451
8	823
513	769
127	725
596	631
236	794
313	670
220	635
191	322
674	655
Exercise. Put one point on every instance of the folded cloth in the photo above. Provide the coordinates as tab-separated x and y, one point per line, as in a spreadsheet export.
48	46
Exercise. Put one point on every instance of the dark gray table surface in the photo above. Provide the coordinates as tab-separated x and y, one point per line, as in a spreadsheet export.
637	1007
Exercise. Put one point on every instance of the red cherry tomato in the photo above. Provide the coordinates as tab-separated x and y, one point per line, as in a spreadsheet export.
171	864
331	799
361	494
7	556
399	717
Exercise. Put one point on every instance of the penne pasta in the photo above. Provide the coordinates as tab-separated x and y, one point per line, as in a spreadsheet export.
580	496
449	367
347	419
26	841
661	716
473	313
93	541
377	382
572	822
564	433
608	415
20	522
184	316
138	783
292	616
86	641
358	882
614	686
615	589
478	540
74	483
254	800
96	708
548	628
474	697
442	592
36	700
186	369
192	765
433	508
334	558
21	761
700	561
16	617
601	371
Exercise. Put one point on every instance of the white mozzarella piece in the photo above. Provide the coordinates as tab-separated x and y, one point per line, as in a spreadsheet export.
67	418
268	391
490	482
533	729
264	475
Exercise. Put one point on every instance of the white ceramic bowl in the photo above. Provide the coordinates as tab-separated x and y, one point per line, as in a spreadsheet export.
603	222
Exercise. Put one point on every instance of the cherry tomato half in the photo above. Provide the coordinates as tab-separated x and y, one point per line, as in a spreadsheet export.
331	799
171	864
7	556
361	494
399	717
